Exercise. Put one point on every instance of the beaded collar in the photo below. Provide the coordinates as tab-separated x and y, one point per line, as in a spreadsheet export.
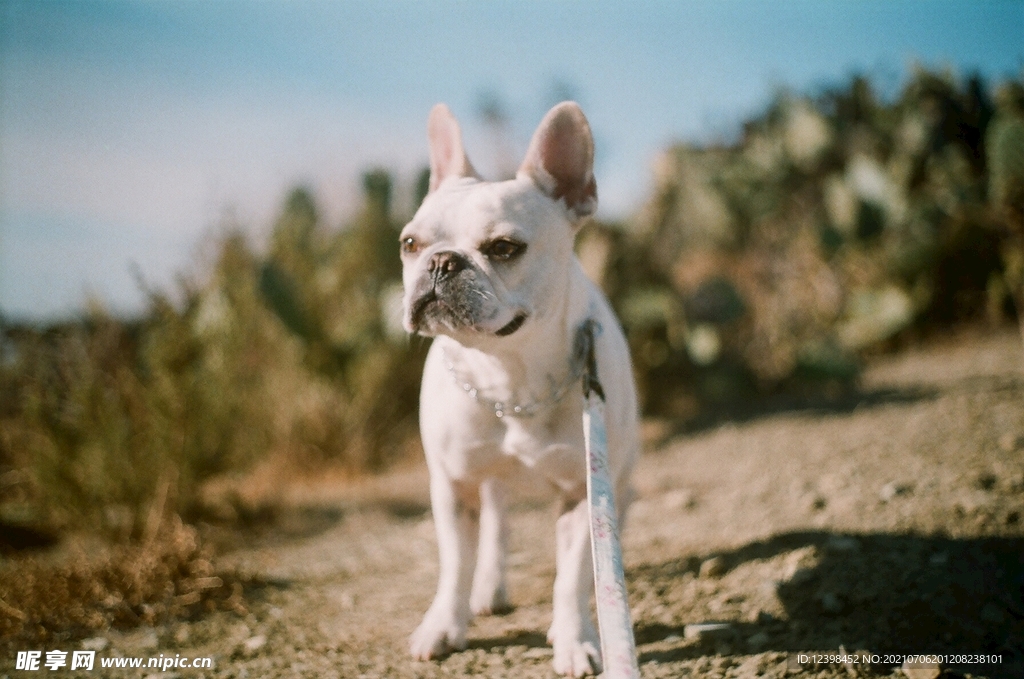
577	365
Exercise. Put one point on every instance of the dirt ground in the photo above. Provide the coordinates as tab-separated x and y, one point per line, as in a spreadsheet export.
890	522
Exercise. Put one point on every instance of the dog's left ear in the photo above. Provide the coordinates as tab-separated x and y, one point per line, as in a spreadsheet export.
561	159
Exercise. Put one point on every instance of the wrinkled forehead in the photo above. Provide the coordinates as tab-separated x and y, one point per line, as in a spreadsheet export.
472	209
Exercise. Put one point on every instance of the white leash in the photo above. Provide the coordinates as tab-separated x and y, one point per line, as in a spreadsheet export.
618	648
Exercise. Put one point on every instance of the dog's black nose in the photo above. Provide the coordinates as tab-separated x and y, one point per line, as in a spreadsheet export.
446	264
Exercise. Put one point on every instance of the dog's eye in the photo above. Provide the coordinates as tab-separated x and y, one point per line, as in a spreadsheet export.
410	245
503	249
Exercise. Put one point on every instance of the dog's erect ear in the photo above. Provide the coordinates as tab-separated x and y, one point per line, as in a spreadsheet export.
447	157
561	158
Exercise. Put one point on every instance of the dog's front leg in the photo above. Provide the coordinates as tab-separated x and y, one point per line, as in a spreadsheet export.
456	521
489	591
572	631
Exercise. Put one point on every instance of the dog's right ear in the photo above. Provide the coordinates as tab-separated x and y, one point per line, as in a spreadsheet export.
447	156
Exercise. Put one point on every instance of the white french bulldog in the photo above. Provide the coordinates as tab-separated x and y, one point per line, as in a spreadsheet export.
490	272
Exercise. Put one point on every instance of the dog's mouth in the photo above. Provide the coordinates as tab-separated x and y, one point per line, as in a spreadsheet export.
511	326
419	309
430	309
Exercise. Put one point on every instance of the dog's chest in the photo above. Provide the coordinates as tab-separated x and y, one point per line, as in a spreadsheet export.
547	444
546	447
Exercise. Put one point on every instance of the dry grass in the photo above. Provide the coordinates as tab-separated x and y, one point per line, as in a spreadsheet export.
170	576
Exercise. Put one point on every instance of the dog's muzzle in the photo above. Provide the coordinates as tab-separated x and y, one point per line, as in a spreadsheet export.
445	293
450	294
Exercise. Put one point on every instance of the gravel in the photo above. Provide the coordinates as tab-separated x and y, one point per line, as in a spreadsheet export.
890	524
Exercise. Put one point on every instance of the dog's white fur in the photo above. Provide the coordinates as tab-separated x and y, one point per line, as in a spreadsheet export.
473	455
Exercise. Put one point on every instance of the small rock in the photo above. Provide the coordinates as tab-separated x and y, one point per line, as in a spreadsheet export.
894	489
95	643
144	640
713	567
240	631
921	670
705	630
672	638
253	644
181	635
754	666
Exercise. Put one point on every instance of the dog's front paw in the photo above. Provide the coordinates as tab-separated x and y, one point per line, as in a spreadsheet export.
576	655
437	635
577	658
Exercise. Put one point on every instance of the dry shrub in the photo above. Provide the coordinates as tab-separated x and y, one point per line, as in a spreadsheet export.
289	352
171	576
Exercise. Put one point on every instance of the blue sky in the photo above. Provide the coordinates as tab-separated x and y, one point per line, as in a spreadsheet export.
129	130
